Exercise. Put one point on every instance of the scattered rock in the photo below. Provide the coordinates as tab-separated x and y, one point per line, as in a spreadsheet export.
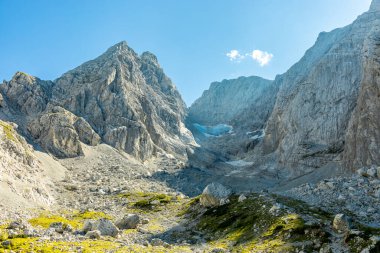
215	194
242	197
144	221
155	202
104	226
95	234
129	221
17	225
341	223
372	172
218	250
156	242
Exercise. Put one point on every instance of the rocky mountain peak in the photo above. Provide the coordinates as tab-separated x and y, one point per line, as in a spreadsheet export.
375	5
149	57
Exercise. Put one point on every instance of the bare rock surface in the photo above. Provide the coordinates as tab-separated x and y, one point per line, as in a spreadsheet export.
314	118
128	100
60	132
215	194
245	100
27	94
120	98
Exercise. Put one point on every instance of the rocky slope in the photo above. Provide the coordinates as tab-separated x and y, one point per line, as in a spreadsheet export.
120	98
26	179
327	101
245	102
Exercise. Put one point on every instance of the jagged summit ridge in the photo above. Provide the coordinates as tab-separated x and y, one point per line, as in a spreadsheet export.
124	98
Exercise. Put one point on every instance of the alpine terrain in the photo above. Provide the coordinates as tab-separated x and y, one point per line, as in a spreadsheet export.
108	158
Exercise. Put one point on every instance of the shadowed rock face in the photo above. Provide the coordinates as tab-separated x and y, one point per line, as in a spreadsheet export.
125	99
363	136
317	110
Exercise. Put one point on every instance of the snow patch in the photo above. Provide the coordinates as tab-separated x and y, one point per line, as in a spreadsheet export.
214	131
256	135
239	163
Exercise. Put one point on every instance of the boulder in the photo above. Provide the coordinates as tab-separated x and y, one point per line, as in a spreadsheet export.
215	194
241	198
95	234
372	172
129	221
104	226
341	223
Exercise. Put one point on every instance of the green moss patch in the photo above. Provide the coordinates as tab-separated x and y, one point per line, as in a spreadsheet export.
249	226
144	200
8	131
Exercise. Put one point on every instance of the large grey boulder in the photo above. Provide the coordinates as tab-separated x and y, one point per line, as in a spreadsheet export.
215	194
341	223
129	221
104	226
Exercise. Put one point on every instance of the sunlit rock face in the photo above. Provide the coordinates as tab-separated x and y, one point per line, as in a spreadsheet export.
123	99
128	100
243	102
318	112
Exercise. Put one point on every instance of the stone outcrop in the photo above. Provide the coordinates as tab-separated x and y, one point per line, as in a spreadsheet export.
215	194
27	94
60	132
234	102
316	115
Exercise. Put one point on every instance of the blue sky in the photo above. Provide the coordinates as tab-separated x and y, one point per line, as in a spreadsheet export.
191	38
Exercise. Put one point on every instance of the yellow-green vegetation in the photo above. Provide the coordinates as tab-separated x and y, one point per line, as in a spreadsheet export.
145	199
90	215
9	132
86	246
248	226
74	219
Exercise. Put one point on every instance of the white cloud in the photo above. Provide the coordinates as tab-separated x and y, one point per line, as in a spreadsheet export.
234	55
263	58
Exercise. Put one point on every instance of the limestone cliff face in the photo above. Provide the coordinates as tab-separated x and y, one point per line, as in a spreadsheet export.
363	135
317	112
123	99
246	101
27	94
127	99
